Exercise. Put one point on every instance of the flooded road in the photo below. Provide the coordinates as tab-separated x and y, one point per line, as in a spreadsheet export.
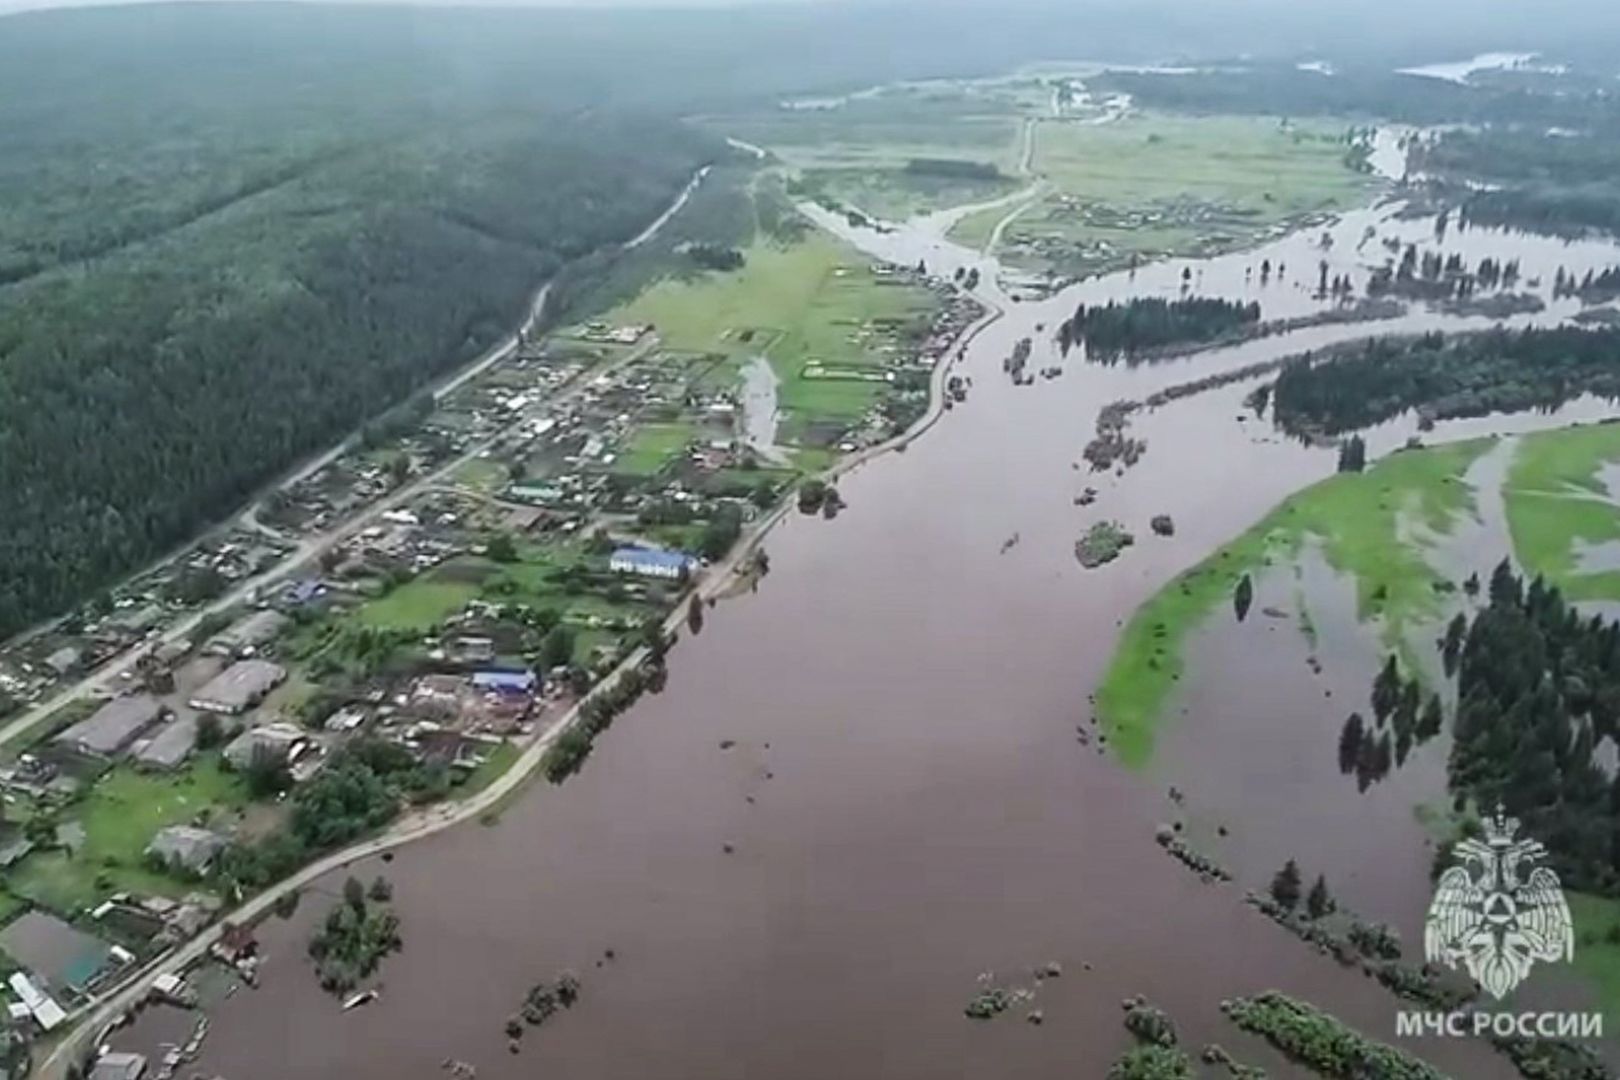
906	802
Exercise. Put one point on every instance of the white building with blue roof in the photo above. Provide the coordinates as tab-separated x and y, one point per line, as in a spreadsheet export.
645	562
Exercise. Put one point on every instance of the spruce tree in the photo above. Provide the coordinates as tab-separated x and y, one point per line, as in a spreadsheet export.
1285	887
1243	597
1320	902
1350	743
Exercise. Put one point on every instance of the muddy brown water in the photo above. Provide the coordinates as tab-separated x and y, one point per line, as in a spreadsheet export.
907	802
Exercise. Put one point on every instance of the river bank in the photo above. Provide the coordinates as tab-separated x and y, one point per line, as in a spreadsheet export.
864	785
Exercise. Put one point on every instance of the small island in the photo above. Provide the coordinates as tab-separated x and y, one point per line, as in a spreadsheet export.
1102	543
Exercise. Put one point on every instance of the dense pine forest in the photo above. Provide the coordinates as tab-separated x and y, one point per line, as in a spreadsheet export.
145	392
1560	181
1113	331
1444	377
1538	687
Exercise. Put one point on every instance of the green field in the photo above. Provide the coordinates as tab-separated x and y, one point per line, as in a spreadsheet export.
531	580
1363	522
120	815
419	604
1597	946
855	152
653	446
811	300
1555	499
1153	185
496	762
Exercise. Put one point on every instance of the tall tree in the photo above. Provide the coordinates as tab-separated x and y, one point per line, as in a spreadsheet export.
1286	885
1243	597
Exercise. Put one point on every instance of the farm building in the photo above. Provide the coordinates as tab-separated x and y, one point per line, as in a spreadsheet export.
506	682
279	740
186	846
239	687
644	562
112	728
170	747
248	634
119	1065
55	954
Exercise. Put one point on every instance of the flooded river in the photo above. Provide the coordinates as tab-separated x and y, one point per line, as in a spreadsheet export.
906	804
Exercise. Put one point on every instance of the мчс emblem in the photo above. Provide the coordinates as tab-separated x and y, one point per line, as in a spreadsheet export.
1489	918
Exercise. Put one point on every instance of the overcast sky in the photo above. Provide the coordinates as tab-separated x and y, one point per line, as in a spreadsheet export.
28	5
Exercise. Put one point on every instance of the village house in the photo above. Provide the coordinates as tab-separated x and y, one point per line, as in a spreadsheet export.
170	747
186	847
643	562
282	741
239	687
248	634
112	728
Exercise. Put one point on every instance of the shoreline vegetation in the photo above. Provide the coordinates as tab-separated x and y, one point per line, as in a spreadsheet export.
1357	520
1443	377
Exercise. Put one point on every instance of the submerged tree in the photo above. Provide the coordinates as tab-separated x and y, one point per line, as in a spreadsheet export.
1285	887
1243	597
1353	454
1319	904
1386	692
1350	743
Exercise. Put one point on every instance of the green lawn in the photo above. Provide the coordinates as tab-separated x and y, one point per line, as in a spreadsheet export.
1360	521
418	604
496	762
1597	946
1554	499
653	446
812	300
894	194
120	815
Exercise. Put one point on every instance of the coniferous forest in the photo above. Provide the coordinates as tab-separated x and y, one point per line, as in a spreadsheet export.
1538	687
151	388
1112	330
1444	376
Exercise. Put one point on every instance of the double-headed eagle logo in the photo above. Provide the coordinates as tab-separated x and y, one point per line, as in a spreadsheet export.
1486	918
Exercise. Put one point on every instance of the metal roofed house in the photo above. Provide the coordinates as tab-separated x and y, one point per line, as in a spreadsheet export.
239	687
46	1012
186	846
170	747
248	633
119	1065
56	955
507	682
109	730
279	739
646	562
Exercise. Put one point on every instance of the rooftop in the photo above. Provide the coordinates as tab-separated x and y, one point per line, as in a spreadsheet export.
118	1065
171	746
60	955
647	557
239	685
190	847
113	726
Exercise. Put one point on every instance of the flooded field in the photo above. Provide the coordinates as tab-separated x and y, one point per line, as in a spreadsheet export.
863	786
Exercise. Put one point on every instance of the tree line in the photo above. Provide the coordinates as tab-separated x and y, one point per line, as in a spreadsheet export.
145	394
1115	330
1538	687
1444	377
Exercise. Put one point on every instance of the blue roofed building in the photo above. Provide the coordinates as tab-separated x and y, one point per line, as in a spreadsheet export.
507	682
646	562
